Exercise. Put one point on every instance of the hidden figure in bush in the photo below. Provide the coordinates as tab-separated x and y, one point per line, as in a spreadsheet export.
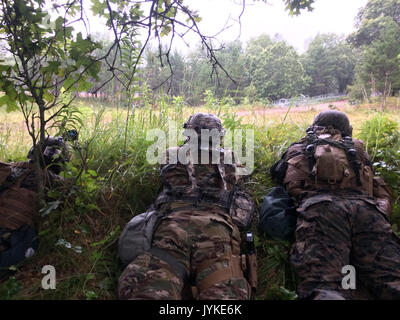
187	246
342	213
19	198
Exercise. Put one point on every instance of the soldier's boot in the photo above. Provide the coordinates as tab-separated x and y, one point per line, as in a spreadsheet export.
376	252
149	278
322	248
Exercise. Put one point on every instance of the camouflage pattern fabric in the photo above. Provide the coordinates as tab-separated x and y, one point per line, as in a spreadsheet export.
18	193
335	230
205	241
340	225
204	209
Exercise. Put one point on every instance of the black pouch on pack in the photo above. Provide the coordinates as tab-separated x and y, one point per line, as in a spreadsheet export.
278	215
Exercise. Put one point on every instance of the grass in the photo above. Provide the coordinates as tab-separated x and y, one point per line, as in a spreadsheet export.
118	183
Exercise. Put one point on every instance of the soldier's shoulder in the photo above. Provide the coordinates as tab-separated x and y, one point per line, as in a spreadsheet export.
358	142
295	149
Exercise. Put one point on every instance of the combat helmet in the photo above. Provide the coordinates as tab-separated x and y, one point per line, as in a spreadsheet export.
200	121
337	119
54	153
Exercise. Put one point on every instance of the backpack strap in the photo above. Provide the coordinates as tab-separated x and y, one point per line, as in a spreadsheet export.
177	266
312	141
351	154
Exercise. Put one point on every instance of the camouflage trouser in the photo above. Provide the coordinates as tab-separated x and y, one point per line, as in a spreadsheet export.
333	232
206	243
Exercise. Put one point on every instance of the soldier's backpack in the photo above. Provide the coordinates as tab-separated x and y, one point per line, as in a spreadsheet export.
334	161
278	215
137	236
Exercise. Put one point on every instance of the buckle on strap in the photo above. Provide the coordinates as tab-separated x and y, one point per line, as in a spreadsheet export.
178	267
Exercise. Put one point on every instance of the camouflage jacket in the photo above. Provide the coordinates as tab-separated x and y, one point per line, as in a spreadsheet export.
216	185
18	193
293	172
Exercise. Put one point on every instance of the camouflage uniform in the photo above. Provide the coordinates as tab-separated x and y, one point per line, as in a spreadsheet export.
203	208
18	201
18	183
340	224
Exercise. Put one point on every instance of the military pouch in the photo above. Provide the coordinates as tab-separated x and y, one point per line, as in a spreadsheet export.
252	271
137	236
331	164
278	215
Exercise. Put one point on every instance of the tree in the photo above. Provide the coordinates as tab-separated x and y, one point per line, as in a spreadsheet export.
160	77
50	59
46	61
371	20
278	72
329	62
379	66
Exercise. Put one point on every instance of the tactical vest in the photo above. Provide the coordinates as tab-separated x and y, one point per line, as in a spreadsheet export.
324	160
17	203
205	185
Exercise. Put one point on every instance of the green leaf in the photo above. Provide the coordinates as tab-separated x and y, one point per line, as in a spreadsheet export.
84	85
92	172
10	104
48	96
68	82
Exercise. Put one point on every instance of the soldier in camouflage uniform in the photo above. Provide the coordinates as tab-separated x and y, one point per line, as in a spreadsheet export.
343	212
19	197
196	247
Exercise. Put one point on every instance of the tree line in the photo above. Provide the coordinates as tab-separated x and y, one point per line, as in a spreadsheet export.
364	64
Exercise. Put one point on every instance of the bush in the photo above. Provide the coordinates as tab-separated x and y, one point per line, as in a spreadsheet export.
382	140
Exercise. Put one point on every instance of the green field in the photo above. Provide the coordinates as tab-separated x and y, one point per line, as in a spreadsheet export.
117	183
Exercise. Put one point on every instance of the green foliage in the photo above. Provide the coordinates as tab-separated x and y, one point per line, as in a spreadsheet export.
372	18
278	72
382	140
329	62
378	38
10	288
210	100
295	6
358	92
277	281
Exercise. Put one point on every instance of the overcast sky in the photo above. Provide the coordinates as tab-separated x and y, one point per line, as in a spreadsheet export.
336	16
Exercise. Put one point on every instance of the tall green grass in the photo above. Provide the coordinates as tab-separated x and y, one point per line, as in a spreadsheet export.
116	183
